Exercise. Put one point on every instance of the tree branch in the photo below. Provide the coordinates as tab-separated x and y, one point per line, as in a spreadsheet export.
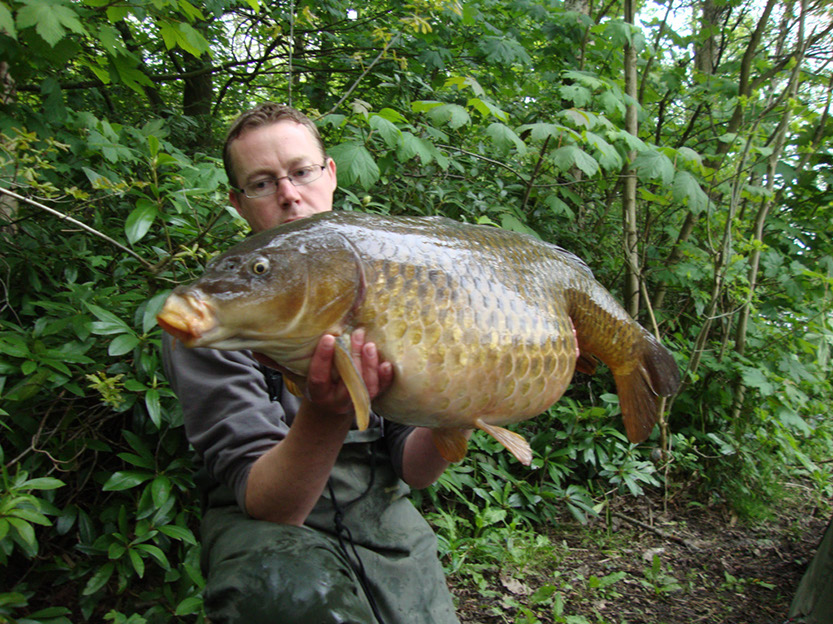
78	223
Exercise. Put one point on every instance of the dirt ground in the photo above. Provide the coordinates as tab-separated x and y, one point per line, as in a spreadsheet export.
686	564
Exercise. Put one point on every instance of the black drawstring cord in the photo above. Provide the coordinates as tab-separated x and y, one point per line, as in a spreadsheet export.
274	384
343	531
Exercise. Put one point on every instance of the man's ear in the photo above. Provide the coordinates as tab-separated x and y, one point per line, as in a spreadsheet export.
234	200
331	165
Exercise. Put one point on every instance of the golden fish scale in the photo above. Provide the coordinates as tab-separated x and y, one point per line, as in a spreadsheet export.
467	344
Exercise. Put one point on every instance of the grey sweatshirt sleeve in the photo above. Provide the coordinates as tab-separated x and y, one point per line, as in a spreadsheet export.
228	414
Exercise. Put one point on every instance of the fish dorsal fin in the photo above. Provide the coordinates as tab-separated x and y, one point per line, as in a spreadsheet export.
451	443
514	443
353	381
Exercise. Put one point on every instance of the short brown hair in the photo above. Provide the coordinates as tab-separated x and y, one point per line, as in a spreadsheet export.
265	114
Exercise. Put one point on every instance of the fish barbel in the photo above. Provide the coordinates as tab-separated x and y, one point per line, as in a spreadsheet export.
484	327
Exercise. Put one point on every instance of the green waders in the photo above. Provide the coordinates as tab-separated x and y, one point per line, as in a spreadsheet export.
261	572
813	601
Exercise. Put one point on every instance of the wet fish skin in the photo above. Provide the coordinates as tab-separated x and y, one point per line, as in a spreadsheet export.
483	327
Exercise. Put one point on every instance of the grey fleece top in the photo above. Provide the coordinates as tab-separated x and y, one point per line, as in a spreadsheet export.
230	418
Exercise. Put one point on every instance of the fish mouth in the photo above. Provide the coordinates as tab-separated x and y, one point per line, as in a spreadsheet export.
187	318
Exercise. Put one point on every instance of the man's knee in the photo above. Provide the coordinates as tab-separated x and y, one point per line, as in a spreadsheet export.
295	578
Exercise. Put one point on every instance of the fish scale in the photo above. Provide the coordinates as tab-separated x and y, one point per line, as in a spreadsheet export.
483	326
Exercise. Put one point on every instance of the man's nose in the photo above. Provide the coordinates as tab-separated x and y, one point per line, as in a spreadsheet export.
286	192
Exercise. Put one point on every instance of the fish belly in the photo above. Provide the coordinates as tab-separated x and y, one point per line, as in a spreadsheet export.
465	346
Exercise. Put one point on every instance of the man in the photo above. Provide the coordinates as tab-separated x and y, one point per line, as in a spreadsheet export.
305	518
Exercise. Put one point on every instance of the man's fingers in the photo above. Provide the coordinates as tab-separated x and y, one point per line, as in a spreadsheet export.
370	368
321	364
385	376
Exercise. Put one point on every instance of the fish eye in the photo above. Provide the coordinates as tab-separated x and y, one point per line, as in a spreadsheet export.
259	266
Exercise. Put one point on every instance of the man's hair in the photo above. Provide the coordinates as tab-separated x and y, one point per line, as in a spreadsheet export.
265	114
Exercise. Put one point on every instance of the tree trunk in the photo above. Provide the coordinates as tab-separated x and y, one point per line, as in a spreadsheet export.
631	287
777	143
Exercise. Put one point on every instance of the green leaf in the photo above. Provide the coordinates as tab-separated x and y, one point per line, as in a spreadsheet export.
571	155
14	345
169	33
99	579
541	131
42	483
607	155
116	550
140	219
153	407
50	18
190	11
652	165
190	605
452	114
388	131
688	191
122	344
138	564
487	109
152	308
190	39
756	378
355	164
117	13
156	553
576	94
413	145
125	479
108	323
7	22
505	138
160	490
24	530
50	613
177	532
392	115
612	104
29	515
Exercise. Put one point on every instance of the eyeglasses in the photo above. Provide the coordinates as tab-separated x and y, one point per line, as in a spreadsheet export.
269	186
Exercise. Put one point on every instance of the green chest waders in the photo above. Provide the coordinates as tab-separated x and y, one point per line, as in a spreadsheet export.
363	538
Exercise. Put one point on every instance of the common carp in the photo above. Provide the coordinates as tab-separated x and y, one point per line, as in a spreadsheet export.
483	326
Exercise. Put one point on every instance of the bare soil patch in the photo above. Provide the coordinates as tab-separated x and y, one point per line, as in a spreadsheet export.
688	563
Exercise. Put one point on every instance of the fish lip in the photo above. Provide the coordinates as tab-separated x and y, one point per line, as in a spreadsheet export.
187	317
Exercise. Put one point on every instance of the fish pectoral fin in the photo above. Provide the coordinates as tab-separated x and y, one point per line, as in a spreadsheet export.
514	443
451	443
295	386
353	382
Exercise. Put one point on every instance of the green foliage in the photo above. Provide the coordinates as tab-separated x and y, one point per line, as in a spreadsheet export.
504	114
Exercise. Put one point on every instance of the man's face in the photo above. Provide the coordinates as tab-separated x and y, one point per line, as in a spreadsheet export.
274	151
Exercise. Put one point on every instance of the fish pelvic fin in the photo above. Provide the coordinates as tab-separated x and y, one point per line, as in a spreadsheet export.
353	381
655	375
451	443
586	364
513	442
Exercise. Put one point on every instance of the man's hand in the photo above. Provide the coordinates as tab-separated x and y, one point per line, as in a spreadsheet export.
324	389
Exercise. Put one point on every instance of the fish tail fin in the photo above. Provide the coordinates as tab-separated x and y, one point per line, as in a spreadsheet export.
655	375
513	442
354	383
451	443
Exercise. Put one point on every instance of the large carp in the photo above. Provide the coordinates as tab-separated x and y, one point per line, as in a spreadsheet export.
483	326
